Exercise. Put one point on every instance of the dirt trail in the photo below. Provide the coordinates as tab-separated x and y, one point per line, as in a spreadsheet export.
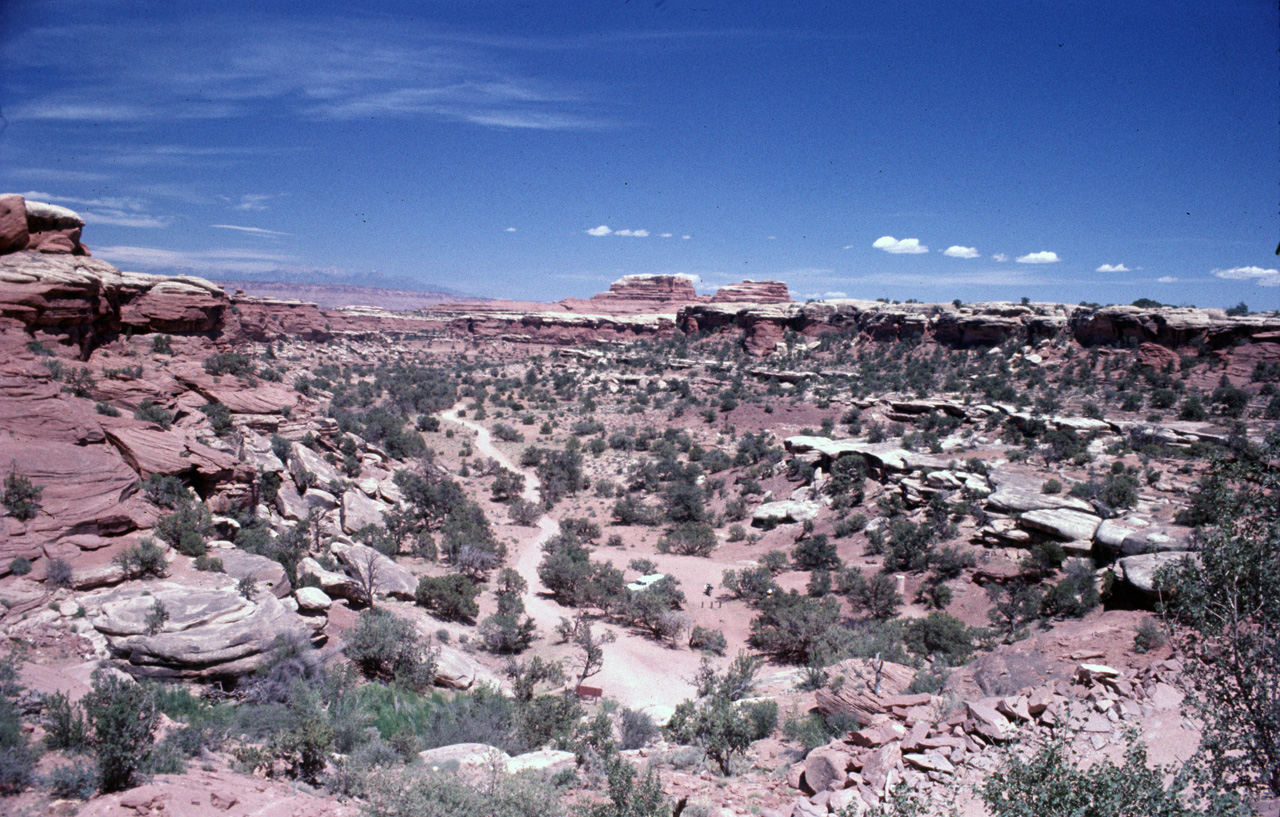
637	671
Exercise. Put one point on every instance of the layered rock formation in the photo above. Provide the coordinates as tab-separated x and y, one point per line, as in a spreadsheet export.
757	292
651	289
39	227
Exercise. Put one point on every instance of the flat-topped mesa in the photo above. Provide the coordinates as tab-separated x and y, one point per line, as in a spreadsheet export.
757	292
38	227
652	289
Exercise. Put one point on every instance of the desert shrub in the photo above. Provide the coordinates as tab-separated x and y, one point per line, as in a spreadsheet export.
21	497
219	417
629	510
451	597
1051	486
815	553
388	648
186	528
689	539
816	729
58	572
506	433
793	627
20	566
166	491
123	714
1049	784
143	559
750	583
635	729
149	412
707	640
106	409
162	345
64	724
439	794
1074	595
845	528
74	781
877	596
939	636
1149	636
523	512
233	363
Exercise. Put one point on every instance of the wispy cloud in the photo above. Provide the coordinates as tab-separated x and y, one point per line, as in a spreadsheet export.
340	70
1000	257
602	230
1166	279
1264	277
119	211
208	262
906	246
253	202
956	251
510	230
633	233
258	231
1042	257
1113	268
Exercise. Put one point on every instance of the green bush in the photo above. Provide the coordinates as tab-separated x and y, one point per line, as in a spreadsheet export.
58	572
21	497
689	539
186	528
143	559
166	491
1048	785
149	412
219	417
451	597
74	781
1149	636
64	724
17	757
635	730
815	553
20	566
123	714
388	648
707	640
234	363
439	794
940	636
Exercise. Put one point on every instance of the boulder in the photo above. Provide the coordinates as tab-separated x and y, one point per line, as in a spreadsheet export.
359	511
466	755
312	599
289	503
1156	540
881	767
13	223
1140	571
388	578
151	450
456	669
267	573
774	513
1111	534
1062	523
209	633
305	461
333	584
825	769
1020	500
543	760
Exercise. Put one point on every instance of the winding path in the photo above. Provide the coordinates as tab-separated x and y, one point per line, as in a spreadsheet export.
638	672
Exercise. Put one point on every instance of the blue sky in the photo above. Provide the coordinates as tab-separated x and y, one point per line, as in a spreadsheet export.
1062	151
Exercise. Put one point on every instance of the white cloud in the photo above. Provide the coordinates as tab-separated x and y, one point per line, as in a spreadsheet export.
259	231
1265	277
633	233
664	235
1000	257
773	238
120	211
1042	257
907	246
601	230
956	251
120	218
510	229
835	295
1112	268
1166	279
686	237
847	247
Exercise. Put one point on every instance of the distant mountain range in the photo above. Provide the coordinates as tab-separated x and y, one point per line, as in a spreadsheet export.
329	296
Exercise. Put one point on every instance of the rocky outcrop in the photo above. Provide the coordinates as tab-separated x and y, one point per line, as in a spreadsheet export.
1166	326
756	292
661	289
208	633
38	227
562	328
13	224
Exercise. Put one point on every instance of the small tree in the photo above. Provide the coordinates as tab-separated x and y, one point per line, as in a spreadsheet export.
451	597
590	647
